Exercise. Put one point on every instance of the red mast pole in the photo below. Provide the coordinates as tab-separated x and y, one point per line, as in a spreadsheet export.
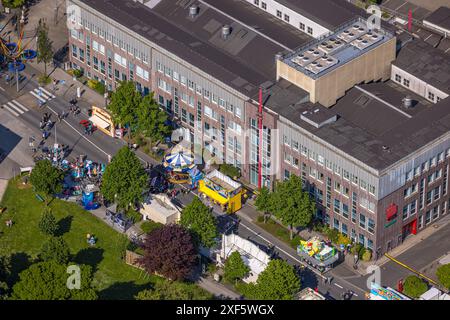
260	118
409	20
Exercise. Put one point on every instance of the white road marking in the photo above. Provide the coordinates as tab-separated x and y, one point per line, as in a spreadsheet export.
37	96
19	111
10	110
21	106
1	88
47	93
338	285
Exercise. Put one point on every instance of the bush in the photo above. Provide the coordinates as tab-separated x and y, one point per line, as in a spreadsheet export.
149	225
296	241
358	249
97	86
443	274
367	255
229	170
134	216
318	227
343	239
44	79
414	287
332	234
77	73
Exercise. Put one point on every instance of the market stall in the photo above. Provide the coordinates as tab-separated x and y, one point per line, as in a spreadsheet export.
222	190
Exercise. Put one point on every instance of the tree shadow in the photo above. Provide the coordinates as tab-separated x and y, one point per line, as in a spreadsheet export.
89	256
64	225
122	291
20	261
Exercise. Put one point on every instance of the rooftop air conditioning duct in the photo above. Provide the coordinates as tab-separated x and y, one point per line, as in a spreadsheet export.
226	31
193	11
407	102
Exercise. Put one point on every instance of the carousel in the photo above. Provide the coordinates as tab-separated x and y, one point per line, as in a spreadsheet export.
180	167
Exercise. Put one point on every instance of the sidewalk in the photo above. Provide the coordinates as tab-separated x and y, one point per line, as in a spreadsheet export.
66	87
407	244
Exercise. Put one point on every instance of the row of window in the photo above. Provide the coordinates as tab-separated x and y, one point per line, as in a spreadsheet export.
425	166
406	82
362	239
285	17
191	85
307	153
109	37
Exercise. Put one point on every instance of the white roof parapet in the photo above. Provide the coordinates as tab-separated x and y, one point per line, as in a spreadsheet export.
223	177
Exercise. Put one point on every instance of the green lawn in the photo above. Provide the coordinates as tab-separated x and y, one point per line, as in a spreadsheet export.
279	231
113	279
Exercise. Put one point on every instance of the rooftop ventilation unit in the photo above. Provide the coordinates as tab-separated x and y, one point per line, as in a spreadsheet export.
226	31
407	102
307	57
322	64
353	32
330	45
367	40
193	11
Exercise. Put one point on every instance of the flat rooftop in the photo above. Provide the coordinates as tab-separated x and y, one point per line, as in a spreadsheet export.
328	13
426	63
347	42
244	60
262	21
440	18
372	124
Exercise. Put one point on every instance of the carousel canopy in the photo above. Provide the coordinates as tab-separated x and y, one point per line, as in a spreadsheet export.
178	161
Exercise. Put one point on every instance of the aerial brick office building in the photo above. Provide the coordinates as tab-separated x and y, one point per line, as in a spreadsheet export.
374	153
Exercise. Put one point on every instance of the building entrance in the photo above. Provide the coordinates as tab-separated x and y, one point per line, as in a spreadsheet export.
410	228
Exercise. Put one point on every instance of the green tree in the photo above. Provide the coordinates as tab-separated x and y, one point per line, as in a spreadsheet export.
264	202
292	205
124	103
172	290
414	287
55	249
124	180
199	219
48	281
5	273
277	282
46	179
12	4
235	269
48	224
44	45
443	274
151	120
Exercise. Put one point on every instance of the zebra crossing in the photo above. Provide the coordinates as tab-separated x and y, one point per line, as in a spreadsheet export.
15	108
41	94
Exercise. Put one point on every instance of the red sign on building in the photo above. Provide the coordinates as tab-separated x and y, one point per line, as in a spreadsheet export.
391	211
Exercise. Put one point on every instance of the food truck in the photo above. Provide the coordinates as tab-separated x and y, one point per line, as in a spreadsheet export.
222	190
103	121
317	254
